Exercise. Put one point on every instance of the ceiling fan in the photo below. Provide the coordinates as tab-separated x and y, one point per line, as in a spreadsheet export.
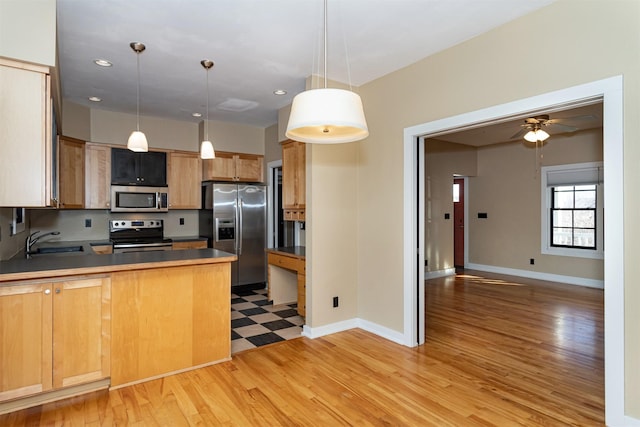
532	130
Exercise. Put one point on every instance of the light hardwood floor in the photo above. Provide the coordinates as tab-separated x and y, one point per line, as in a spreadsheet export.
500	351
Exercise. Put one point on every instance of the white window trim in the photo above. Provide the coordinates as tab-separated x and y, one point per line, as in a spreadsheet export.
545	206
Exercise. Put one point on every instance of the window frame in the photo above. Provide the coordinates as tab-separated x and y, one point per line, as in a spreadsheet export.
547	247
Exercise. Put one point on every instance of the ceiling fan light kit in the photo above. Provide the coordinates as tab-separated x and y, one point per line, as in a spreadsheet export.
327	116
536	135
137	140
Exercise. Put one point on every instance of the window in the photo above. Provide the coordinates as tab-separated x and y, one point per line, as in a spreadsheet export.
573	216
572	210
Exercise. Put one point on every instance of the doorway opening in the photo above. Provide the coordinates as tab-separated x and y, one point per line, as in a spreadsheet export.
458	222
281	233
610	92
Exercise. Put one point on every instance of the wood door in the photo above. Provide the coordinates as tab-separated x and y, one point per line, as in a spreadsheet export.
81	331
289	167
222	168
97	176
184	181
458	224
249	168
71	173
25	340
301	165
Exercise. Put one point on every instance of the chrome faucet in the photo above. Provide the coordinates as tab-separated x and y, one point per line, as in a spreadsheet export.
33	238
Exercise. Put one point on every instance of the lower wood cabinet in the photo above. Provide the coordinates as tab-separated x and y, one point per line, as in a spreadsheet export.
191	244
53	335
165	320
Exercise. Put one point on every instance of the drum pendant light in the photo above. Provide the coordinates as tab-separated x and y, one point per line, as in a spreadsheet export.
327	116
206	148
138	140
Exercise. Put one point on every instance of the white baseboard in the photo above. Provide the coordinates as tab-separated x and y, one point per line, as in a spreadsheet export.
571	280
345	325
439	273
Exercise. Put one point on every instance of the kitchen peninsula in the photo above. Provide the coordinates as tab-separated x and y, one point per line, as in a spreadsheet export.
77	323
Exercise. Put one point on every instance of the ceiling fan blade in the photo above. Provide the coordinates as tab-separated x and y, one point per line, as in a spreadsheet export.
562	128
521	133
574	118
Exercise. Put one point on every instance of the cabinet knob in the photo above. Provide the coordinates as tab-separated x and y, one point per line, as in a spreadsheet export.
57	290
47	291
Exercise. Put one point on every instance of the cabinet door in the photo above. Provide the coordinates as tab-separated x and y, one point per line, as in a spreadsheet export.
184	181
124	166
195	244
289	165
25	135
222	168
301	176
71	173
152	168
249	168
81	331
98	176
25	340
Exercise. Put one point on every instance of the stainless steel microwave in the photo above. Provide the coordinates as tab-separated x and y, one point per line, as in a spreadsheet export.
135	198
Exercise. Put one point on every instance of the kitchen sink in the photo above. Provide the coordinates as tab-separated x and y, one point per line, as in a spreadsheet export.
59	249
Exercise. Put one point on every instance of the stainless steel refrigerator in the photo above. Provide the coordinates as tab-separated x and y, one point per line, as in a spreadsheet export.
234	219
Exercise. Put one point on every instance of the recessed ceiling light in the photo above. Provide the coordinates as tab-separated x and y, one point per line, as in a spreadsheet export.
196	114
279	92
94	99
103	63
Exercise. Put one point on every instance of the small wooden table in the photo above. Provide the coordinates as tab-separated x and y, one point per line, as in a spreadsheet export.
287	276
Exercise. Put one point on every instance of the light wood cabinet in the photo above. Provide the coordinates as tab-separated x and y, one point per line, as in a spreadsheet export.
71	180
294	180
97	176
25	340
53	335
191	244
81	330
234	167
184	180
169	319
26	156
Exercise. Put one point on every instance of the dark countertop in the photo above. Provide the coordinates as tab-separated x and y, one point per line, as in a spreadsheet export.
187	238
295	251
59	265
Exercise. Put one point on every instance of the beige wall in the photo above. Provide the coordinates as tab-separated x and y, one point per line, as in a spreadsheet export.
234	137
10	245
33	23
585	41
76	121
508	189
442	161
272	147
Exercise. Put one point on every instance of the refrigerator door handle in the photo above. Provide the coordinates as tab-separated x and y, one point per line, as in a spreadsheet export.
240	226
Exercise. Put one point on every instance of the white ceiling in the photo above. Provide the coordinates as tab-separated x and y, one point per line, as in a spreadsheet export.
258	46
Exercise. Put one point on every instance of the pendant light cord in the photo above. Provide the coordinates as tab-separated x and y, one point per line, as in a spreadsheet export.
206	129
138	93
325	44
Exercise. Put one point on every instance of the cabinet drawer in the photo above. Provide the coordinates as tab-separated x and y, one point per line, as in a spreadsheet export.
195	244
294	215
286	262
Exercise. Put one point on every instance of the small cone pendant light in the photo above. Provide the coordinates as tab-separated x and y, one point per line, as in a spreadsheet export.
138	140
206	148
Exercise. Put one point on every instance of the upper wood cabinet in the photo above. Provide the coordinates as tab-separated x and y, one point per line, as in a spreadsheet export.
184	180
71	173
294	180
97	176
26	126
233	167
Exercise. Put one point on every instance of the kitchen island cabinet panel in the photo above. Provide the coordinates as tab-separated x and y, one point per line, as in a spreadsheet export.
25	340
166	320
81	331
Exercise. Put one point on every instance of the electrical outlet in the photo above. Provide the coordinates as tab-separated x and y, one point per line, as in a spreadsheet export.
87	223
181	221
532	261
335	302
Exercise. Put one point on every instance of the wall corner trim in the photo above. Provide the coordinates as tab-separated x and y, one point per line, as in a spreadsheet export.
374	328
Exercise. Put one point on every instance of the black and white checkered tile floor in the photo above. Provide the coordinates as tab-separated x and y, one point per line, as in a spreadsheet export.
255	321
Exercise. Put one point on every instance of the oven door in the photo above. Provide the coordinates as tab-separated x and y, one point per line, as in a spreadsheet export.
121	248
